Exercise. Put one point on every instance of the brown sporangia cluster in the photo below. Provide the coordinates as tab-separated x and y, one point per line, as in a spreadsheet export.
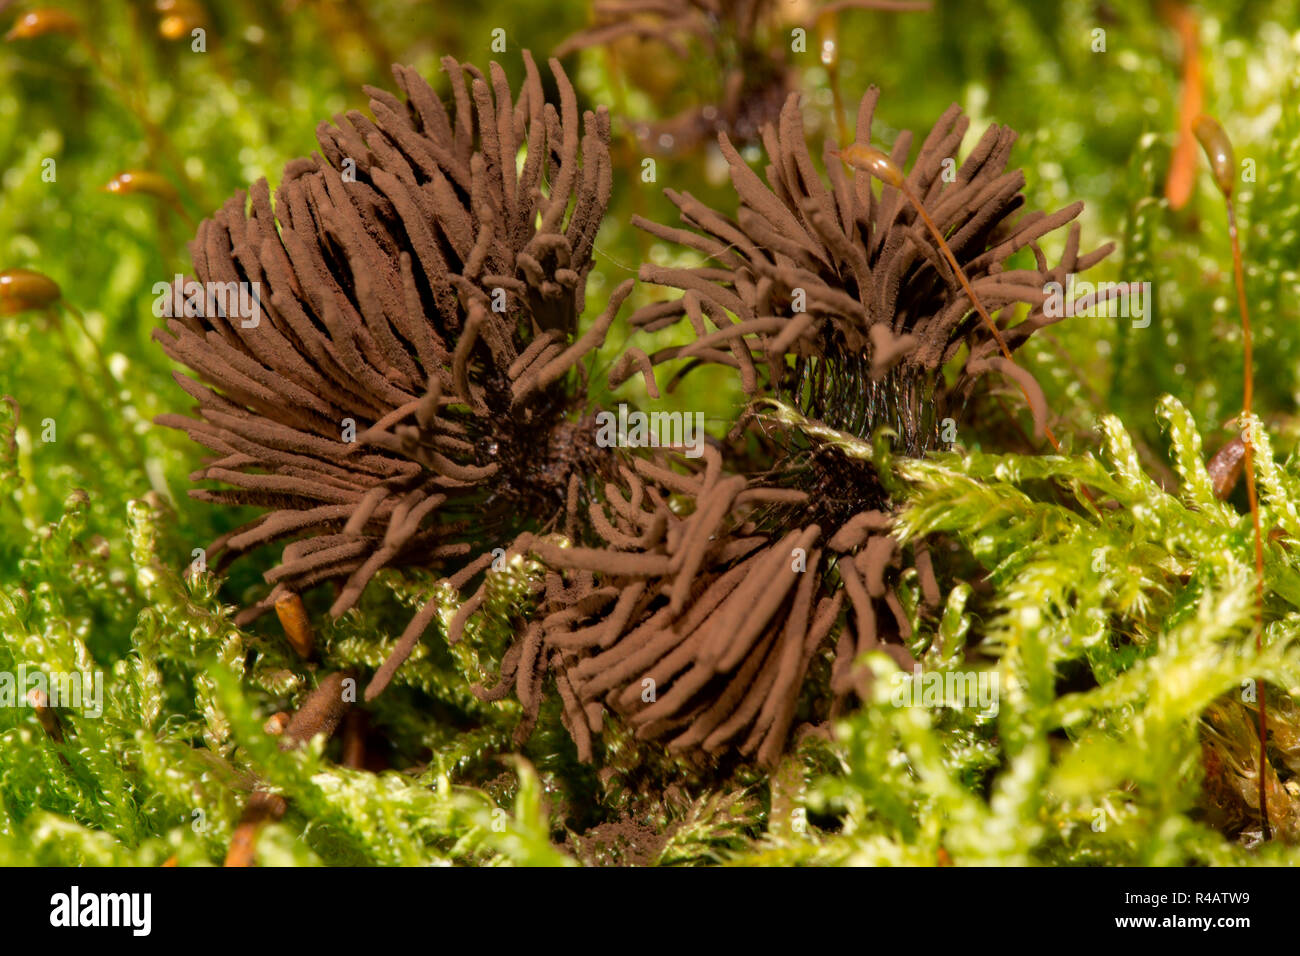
743	43
423	283
406	387
835	298
699	623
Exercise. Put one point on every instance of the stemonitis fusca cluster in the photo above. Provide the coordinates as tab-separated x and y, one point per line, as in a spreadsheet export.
415	388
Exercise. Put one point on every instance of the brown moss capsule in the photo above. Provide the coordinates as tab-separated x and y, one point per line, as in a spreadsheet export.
297	626
24	290
40	22
873	161
1225	467
173	28
179	18
141	181
49	720
276	723
1218	150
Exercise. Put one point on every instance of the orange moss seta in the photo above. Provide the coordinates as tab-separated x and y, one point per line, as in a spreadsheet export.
1182	164
1218	151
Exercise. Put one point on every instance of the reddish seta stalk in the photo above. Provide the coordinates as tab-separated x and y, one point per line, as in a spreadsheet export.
878	164
1251	493
1218	150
